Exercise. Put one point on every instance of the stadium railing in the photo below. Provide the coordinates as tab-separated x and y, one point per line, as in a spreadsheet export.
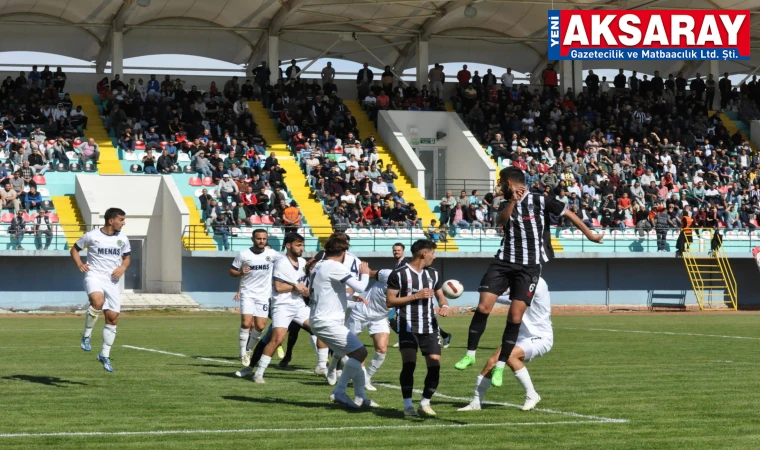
455	185
29	242
380	239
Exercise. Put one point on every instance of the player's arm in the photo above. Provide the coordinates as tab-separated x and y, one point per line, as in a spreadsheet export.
357	284
238	269
577	222
517	194
78	247
443	303
392	299
125	261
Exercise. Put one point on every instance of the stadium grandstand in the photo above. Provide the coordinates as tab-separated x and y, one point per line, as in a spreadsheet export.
408	147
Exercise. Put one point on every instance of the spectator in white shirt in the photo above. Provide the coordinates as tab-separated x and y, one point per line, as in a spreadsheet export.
352	164
59	113
604	85
508	78
380	187
348	197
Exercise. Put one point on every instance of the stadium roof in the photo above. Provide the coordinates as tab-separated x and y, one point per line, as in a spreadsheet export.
502	32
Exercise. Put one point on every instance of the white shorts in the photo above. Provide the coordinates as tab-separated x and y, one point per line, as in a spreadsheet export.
110	292
284	313
534	347
356	324
255	308
337	337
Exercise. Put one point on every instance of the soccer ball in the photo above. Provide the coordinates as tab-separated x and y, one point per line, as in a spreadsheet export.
452	289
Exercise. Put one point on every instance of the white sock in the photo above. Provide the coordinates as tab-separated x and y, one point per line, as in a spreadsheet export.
333	362
523	377
313	340
501	364
345	377
253	339
263	364
322	355
425	401
90	317
482	388
471	353
375	363
109	334
408	403
243	340
358	376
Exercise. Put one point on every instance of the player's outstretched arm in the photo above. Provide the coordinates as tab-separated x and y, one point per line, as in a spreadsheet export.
517	195
393	300
443	304
236	273
590	235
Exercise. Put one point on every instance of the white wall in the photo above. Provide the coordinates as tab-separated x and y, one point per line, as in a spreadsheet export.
465	158
393	135
155	212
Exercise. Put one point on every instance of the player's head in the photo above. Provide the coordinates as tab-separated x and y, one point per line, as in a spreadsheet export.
398	250
424	250
337	245
511	178
294	244
115	218
260	237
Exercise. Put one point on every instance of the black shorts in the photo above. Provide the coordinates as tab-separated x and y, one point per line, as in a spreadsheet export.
521	279
427	343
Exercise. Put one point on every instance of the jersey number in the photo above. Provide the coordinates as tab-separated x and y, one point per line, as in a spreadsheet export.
354	269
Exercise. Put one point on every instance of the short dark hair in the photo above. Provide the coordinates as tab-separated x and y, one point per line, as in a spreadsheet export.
422	244
336	244
111	213
291	238
259	230
399	244
512	174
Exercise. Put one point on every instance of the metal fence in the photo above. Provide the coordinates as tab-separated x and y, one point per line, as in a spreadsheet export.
29	239
456	185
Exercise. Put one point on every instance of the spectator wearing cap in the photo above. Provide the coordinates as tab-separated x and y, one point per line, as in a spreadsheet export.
43	226
89	150
227	191
201	164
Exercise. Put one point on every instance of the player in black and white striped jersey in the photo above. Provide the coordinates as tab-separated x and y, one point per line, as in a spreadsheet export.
411	289
525	246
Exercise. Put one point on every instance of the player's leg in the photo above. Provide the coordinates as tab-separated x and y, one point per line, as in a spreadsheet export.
111	309
278	335
493	284
96	298
515	362
380	334
323	355
244	334
431	349
393	323
408	347
293	330
445	338
341	340
483	382
256	355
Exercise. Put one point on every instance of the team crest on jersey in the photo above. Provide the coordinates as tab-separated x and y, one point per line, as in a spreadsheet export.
269	259
534	279
119	243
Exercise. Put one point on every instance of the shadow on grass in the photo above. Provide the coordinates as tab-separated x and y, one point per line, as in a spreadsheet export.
388	413
228	358
47	381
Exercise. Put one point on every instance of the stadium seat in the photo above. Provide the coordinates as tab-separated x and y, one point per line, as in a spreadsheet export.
731	235
51	141
742	235
566	234
208	181
578	234
267	220
139	145
78	142
491	233
54	218
39	179
255	220
130	156
629	223
276	231
596	222
33	216
391	233
135	168
163	144
477	233
6	217
90	167
195	181
363	232
183	157
378	232
352	232
417	233
465	233
628	234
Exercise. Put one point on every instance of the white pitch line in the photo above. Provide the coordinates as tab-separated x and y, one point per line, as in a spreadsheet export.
669	333
390	386
282	430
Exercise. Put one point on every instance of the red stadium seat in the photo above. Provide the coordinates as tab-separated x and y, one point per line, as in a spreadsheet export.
6	217
208	181
40	180
33	216
51	141
163	144
54	218
255	220
596	222
629	223
26	217
195	181
77	142
139	145
267	220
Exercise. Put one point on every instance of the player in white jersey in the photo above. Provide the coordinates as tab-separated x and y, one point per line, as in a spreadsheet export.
327	290
535	339
288	304
107	259
255	266
372	314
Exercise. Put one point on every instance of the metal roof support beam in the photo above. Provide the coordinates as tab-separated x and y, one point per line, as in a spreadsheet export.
382	64
324	52
286	11
257	53
107	47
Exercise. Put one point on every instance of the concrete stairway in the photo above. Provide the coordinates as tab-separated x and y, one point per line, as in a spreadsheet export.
70	218
109	156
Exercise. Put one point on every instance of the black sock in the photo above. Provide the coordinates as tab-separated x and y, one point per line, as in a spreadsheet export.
508	340
406	379
394	324
431	381
293	331
257	352
443	333
477	328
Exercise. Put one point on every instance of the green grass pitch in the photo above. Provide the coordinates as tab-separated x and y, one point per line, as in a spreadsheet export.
613	381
